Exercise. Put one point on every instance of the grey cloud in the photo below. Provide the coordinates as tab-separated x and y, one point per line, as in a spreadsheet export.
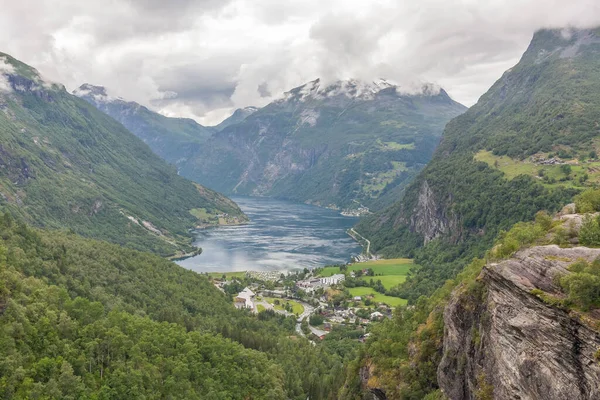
219	55
263	90
199	86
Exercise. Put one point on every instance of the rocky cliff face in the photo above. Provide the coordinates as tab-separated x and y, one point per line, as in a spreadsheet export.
503	342
431	218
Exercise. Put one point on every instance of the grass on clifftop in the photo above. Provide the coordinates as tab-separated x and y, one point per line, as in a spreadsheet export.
580	175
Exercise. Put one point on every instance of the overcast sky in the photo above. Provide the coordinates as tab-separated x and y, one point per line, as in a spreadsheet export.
204	58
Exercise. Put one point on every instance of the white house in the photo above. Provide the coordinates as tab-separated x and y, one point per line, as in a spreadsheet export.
376	315
333	279
245	299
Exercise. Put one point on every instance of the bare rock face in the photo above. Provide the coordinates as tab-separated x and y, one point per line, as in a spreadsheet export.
374	393
502	342
431	219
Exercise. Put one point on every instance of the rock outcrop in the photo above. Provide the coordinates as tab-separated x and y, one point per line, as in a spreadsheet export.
503	342
430	218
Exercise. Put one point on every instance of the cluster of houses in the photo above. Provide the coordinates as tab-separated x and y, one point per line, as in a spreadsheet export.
343	315
332	315
310	285
271	276
357	212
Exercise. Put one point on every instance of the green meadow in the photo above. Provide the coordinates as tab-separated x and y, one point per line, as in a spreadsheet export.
378	297
391	272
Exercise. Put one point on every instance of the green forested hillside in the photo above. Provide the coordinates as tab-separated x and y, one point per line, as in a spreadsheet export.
173	139
541	114
81	318
64	164
340	145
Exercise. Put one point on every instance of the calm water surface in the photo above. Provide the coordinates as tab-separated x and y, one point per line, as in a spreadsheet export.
281	235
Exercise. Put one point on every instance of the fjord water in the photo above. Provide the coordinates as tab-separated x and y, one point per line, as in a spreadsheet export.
281	235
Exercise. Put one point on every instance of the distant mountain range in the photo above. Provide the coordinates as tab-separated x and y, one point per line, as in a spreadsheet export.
343	145
64	164
338	145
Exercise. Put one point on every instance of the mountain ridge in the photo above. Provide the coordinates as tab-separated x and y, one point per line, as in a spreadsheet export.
336	146
67	165
238	116
173	139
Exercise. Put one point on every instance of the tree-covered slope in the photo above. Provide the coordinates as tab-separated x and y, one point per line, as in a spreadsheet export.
173	139
64	164
334	145
528	144
82	318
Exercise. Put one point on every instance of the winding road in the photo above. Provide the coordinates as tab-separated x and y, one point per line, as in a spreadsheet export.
368	250
308	310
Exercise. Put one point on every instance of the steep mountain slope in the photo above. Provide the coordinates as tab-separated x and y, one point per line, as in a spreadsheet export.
82	318
64	164
528	144
338	145
173	139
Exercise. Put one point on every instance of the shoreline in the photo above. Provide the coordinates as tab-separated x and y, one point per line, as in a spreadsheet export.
185	256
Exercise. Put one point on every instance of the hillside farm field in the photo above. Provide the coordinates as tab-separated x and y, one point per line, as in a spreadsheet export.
228	275
394	266
378	297
388	281
391	272
297	308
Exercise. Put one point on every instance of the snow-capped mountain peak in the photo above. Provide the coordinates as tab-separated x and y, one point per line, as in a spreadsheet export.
356	89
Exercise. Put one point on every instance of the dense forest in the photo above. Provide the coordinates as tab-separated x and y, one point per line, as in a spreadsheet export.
88	319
